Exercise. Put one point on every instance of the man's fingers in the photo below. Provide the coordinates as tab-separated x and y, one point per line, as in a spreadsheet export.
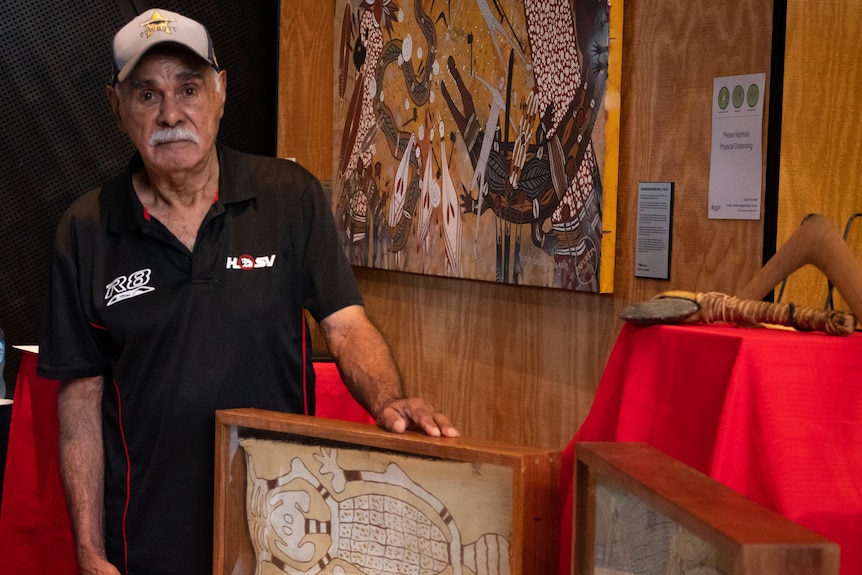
415	413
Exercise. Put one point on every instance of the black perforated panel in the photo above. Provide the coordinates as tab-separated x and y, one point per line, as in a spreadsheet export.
59	139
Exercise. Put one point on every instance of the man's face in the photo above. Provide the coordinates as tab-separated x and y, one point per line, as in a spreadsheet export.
170	106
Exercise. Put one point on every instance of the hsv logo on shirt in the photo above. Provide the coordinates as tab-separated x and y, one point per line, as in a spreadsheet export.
247	262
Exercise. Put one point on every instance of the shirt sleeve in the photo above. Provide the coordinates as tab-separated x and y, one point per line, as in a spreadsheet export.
68	348
329	283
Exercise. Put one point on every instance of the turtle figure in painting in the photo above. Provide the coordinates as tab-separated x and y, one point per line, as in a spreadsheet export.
392	525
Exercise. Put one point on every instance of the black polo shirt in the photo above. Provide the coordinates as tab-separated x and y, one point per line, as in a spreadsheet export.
180	334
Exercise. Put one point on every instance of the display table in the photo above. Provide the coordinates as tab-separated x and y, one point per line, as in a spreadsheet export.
774	414
35	531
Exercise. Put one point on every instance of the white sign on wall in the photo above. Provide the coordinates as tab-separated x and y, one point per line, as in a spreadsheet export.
736	169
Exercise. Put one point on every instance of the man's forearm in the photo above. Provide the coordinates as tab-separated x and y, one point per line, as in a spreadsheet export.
370	372
82	463
364	359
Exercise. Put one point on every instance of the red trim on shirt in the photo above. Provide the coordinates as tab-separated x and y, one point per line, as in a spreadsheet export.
128	478
304	367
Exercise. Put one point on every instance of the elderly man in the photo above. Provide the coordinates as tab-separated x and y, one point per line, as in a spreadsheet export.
180	288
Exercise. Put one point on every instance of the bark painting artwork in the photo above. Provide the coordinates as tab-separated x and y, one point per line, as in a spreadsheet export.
479	138
321	510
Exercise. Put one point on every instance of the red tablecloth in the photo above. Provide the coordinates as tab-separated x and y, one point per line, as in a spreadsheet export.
776	415
35	531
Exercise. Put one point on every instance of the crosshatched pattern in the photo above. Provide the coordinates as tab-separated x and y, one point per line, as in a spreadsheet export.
338	509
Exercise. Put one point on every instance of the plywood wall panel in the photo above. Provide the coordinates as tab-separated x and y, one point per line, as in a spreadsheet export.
674	50
305	84
501	359
821	134
522	364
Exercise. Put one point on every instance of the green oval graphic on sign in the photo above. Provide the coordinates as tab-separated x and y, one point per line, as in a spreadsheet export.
753	95
738	96
723	97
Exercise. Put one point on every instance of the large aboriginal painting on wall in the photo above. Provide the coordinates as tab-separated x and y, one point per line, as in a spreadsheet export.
479	138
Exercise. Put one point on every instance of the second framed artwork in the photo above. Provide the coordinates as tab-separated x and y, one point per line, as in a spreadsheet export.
638	510
479	139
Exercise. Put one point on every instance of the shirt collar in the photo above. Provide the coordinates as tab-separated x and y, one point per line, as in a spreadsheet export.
126	213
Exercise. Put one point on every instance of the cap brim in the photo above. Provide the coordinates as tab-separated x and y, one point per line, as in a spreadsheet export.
130	65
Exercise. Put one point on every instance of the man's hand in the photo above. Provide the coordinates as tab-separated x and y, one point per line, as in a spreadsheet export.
415	413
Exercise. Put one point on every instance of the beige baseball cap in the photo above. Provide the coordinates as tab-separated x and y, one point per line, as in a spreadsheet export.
155	27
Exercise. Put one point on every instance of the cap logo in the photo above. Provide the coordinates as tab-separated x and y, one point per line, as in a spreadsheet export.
157	23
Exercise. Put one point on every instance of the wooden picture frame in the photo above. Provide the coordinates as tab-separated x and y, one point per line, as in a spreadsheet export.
680	520
293	494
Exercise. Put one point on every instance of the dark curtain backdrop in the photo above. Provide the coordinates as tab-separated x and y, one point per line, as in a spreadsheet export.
59	139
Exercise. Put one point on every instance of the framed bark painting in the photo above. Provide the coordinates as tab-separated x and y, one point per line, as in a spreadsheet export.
479	138
305	495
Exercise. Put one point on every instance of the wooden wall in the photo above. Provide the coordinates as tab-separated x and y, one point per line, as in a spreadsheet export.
820	135
522	364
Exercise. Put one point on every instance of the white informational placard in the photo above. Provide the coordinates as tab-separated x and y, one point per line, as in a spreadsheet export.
735	172
655	214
